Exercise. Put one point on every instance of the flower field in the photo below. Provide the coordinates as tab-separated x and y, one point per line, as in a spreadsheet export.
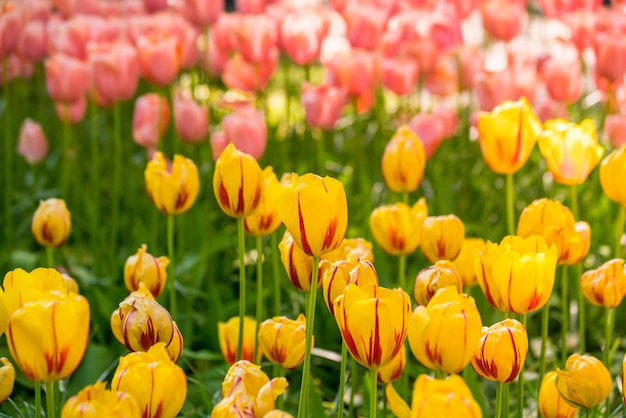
405	208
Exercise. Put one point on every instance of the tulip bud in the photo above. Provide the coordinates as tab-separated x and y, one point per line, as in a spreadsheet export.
173	189
551	403
394	369
299	266
606	285
7	379
32	143
282	340
612	169
501	351
116	326
585	382
442	237
404	161
352	250
265	219
397	228
228	335
51	223
578	247
151	118
431	279
175	347
465	261
145	268
156	383
95	401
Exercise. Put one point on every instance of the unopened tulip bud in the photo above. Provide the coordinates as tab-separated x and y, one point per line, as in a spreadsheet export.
606	285
404	161
143	267
7	379
51	223
442	237
95	401
397	228
228	335
438	276
585	382
282	340
394	369
551	403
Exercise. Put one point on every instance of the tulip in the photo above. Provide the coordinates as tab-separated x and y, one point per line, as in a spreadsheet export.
615	129
173	189
229	339
612	169
281	340
115	70
238	183
175	347
400	75
203	13
323	104
47	338
551	403
96	401
240	74
158	385
301	36
501	351
606	285
571	151
67	78
265	220
160	57
373	322
404	160
297	264
465	261
352	70
607	47
143	267
394	369
503	20
72	113
32	43
51	223
585	382
255	37
397	228
245	128
315	211
352	250
70	283
275	413
442	237
32	143
151	118
190	118
7	379
337	275
430	280
434	331
430	129
578	248
365	24
507	135
563	78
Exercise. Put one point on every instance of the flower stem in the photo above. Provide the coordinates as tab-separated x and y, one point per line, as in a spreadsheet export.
67	165
50	256
342	378
171	282
280	372
545	321
37	399
374	393
50	408
499	400
402	271
564	312
310	321
8	162
619	231
276	270
353	386
580	296
259	296
94	198
117	167
242	285
520	388
510	203
608	337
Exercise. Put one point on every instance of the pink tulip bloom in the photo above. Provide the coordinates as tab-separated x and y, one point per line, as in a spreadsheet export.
191	119
245	76
160	57
494	87
563	78
255	37
72	112
504	19
12	21
465	7
610	49
151	119
36	9
16	67
202	12
444	80
155	5
323	105
32	144
214	60
470	61
365	24
245	128
33	41
223	32
450	118
615	129
547	108
430	129
445	26
67	78
353	70
558	8
400	74
69	37
251	6
301	36
581	25
114	70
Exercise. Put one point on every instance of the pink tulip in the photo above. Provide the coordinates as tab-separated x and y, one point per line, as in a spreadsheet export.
610	49
445	26
353	70
365	24
151	119
245	128
214	60
16	67
255	37
430	129
558	8
202	12
160	57
67	78
504	19
492	88
33	42
190	118
400	74
251	6
155	5
470	61
615	129
114	70
187	35
547	108
425	51
36	9
69	37
12	21
72	112
563	78
450	118
223	31
465	7
32	143
444	80
301	36
245	76
323	104
581	25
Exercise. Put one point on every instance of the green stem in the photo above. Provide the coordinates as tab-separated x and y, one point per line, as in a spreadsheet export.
405	198
8	163
564	312
171	282
510	204
440	375
307	72
608	337
287	89
575	202
373	394
280	372
50	256
276	270
619	231
353	386
342	378
545	321
67	164
310	322
321	153
94	197
581	297
117	167
588	413
499	392
37	399
505	401
402	271
520	388
259	296
242	284
50	409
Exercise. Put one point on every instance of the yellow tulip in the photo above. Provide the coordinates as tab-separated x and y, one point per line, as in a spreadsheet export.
394	369
397	228
404	160
442	237
70	283
465	261
51	223
352	250
585	382
172	188
315	212
517	275
606	285
571	150
95	401
508	134
275	413
175	347
265	219
116	326
336	276
48	338
438	276
444	335
7	379
578	247
238	183
441	398
501	351
143	267
612	171
298	265
228	336
551	403
373	322
156	383
281	340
